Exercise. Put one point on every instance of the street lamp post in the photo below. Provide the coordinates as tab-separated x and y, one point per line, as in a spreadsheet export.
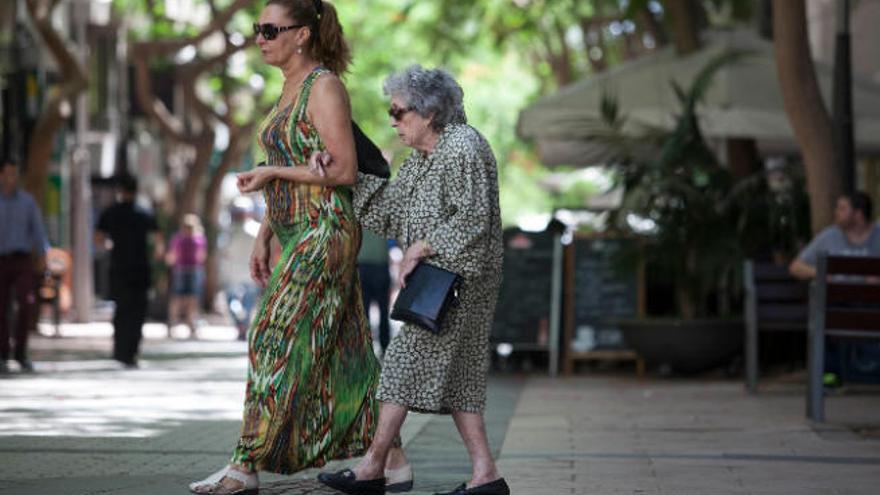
844	142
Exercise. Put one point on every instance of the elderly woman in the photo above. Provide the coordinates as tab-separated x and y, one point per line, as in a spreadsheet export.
443	209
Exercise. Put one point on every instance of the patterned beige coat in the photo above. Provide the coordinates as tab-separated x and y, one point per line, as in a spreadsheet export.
450	199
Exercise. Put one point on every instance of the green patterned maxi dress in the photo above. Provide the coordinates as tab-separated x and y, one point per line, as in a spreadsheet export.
312	374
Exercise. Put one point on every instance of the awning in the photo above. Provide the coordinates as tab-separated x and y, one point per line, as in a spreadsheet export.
743	102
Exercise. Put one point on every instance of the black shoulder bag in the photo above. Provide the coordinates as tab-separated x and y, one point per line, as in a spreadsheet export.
369	156
429	293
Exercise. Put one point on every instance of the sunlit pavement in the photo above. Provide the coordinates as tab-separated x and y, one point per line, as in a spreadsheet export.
82	425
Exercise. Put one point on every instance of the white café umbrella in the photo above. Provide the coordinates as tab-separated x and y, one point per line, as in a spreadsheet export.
744	100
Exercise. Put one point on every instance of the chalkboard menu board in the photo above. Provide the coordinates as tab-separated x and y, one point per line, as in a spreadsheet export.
604	287
522	317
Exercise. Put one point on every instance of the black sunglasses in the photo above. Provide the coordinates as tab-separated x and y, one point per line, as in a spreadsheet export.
270	31
397	113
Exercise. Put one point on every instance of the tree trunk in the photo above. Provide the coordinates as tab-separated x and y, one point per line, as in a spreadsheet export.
239	141
196	130
73	81
588	27
651	26
187	201
685	25
806	111
631	44
200	132
560	62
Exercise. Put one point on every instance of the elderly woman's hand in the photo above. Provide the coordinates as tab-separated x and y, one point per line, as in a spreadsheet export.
318	163
415	253
254	180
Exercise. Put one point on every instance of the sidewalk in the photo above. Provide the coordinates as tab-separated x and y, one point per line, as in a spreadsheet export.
607	435
80	425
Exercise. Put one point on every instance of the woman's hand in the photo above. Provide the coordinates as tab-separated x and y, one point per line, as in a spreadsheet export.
259	263
415	253
318	163
254	180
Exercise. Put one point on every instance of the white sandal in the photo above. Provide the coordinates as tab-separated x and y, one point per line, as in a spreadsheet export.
211	485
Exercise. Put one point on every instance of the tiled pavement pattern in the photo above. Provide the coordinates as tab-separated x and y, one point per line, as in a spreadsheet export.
618	435
82	426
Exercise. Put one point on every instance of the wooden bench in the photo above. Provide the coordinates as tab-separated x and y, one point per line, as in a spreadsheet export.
844	304
774	302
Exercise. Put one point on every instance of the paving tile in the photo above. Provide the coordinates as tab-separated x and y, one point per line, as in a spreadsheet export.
82	426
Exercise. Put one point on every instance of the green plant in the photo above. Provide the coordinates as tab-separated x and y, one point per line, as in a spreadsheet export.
698	220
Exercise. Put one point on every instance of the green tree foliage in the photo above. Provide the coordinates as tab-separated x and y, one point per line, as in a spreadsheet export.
505	53
389	35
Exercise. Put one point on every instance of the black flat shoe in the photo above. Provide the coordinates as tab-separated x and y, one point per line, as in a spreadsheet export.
346	482
497	487
399	480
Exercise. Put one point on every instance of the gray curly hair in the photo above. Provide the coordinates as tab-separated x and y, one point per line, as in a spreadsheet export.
429	92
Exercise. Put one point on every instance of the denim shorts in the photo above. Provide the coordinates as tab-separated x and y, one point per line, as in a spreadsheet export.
187	281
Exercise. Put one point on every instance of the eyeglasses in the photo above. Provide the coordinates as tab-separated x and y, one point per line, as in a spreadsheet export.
397	113
270	31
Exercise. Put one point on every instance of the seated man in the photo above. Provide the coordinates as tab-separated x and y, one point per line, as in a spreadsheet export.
853	234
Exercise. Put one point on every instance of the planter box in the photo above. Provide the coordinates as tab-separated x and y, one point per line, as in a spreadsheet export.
685	346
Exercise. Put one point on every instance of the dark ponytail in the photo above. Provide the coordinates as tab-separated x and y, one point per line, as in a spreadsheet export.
330	47
327	43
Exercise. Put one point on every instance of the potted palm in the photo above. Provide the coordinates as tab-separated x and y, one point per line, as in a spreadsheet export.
688	210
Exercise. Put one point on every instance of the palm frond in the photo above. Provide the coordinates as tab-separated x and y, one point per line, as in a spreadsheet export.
704	78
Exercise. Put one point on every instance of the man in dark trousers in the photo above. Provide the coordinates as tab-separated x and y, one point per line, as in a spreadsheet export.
125	229
376	280
22	237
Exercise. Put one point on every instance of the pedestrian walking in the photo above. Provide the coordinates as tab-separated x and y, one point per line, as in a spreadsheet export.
126	229
235	251
186	257
376	281
23	248
443	209
312	373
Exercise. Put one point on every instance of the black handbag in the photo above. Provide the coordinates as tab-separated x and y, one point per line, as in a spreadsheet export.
369	156
429	293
